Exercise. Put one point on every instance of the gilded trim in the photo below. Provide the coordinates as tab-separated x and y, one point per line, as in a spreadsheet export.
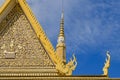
4	6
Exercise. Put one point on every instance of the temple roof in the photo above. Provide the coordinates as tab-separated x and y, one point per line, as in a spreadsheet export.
65	69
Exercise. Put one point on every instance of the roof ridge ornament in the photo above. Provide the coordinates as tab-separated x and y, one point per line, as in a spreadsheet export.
68	68
106	64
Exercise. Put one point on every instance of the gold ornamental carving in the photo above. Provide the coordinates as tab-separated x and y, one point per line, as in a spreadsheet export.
20	46
107	64
67	69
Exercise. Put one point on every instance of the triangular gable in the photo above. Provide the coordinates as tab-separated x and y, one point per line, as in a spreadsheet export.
19	44
35	24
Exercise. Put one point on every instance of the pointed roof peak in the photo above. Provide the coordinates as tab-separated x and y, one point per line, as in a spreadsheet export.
61	34
62	25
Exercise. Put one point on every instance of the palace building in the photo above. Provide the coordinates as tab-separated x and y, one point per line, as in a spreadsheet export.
26	52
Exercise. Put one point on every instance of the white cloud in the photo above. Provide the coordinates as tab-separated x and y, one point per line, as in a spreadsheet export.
87	24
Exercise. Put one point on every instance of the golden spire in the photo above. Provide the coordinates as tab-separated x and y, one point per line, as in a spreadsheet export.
62	22
61	48
61	37
62	25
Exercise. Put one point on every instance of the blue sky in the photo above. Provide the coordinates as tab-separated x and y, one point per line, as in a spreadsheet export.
92	27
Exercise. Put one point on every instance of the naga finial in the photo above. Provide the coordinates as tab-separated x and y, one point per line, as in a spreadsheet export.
71	65
68	68
107	64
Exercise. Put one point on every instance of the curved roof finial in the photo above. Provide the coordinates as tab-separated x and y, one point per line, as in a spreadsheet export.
107	64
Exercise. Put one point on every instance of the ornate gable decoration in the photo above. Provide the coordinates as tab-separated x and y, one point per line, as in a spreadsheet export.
20	44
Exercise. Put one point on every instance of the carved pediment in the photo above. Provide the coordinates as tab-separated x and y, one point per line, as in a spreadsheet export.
19	41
